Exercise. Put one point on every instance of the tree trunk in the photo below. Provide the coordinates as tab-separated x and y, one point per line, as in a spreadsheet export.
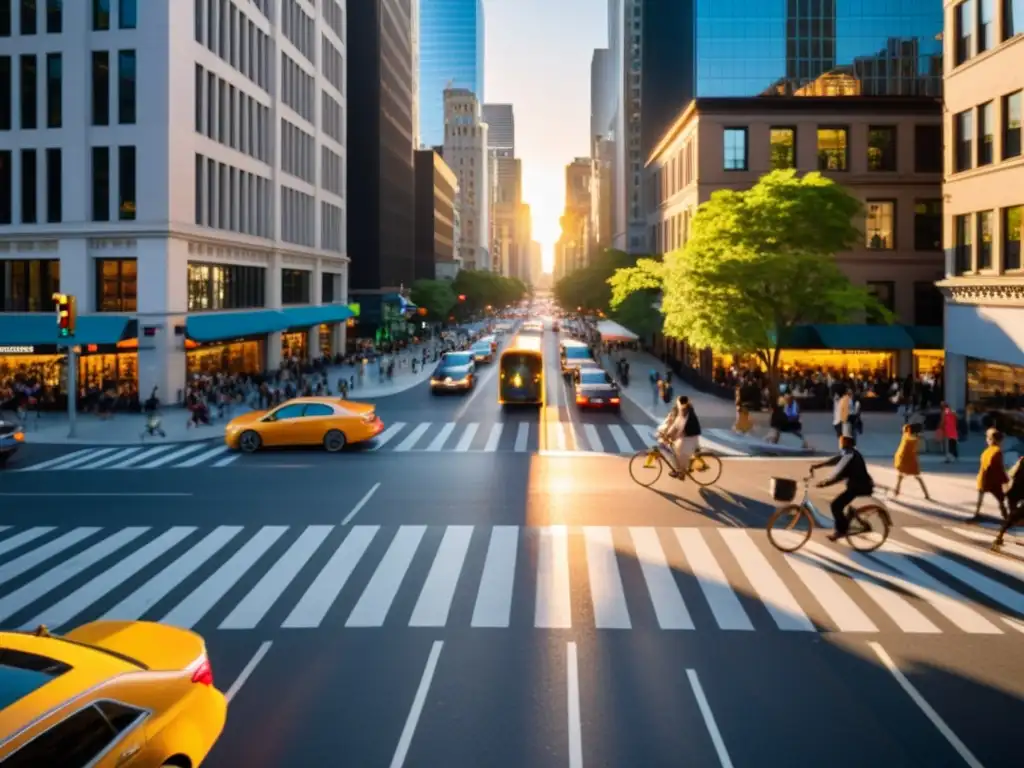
773	375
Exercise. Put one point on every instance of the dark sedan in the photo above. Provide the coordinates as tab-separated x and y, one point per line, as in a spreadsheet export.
595	389
456	372
11	439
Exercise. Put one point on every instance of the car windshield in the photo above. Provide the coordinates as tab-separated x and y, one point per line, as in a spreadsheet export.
482	346
577	353
453	359
593	377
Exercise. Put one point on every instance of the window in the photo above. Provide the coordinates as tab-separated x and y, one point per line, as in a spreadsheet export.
126	87
54	90
927	225
1013	18
986	24
882	148
100	15
928	152
832	149
120	716
6	92
735	158
5	18
783	147
117	283
126	209
962	247
29	98
295	284
6	185
929	303
289	412
881	222
1011	125
986	135
984	223
327	288
54	186
964	31
318	409
77	740
225	286
963	136
29	17
54	17
29	187
127	14
884	292
1012	236
101	184
100	88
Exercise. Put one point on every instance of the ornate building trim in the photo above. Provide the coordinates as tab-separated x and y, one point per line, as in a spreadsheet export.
1002	292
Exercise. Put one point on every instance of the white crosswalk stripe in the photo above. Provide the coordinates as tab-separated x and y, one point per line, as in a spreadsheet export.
924	581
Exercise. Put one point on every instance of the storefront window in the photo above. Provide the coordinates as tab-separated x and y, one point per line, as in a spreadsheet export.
294	345
28	286
117	285
994	384
325	339
237	357
119	371
225	286
928	362
819	360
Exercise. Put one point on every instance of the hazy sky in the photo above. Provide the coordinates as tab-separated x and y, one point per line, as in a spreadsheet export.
538	59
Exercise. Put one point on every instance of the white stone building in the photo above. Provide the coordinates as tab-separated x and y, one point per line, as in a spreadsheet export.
465	151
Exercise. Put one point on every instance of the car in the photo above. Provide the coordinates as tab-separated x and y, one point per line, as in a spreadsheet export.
12	437
109	693
455	372
574	354
483	352
332	422
595	389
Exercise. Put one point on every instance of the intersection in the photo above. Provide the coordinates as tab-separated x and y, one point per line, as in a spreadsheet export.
528	607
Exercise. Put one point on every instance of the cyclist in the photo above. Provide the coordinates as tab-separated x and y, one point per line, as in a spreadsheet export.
681	432
849	467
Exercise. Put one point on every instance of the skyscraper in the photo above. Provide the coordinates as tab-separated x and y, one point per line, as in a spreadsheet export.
451	55
502	132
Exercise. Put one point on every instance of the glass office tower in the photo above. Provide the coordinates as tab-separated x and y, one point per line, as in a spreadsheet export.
451	46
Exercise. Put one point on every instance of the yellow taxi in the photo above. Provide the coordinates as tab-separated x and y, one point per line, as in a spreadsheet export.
328	421
131	694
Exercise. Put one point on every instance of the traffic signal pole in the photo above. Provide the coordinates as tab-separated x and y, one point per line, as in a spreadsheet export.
72	389
67	311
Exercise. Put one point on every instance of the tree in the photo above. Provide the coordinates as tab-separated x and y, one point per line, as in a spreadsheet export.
759	262
434	296
588	288
637	313
484	289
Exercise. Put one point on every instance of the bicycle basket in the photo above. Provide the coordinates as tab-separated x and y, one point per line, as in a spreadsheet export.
783	489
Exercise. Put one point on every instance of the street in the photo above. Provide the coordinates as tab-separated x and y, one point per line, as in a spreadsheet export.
525	603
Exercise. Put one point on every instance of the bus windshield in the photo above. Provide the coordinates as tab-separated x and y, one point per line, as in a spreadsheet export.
522	377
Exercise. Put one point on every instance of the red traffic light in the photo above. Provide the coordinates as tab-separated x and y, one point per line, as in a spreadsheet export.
462	297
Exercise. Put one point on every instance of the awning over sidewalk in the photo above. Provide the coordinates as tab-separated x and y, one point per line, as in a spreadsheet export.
612	331
40	328
881	338
927	336
299	317
215	326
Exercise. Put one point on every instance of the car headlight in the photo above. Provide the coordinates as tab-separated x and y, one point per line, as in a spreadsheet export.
517	380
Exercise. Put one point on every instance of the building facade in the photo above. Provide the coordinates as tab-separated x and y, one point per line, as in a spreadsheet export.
886	151
984	194
506	186
577	234
501	125
210	239
465	151
437	190
451	55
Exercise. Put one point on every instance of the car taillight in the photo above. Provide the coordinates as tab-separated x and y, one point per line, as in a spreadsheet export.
615	401
203	674
370	417
580	399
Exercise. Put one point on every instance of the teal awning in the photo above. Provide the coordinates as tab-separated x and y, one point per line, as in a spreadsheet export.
299	317
40	328
927	336
801	337
216	326
876	338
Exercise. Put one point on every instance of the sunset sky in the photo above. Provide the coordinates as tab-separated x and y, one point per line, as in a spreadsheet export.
538	59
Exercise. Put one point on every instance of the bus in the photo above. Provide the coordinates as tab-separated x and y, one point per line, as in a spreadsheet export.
521	372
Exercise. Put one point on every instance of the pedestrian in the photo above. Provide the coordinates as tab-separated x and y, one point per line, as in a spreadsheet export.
841	412
949	433
992	477
907	462
1014	502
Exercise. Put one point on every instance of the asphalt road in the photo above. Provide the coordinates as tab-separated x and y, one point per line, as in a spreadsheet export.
508	609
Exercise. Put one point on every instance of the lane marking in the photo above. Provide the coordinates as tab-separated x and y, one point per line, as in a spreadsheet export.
554	591
168	458
202	457
720	596
709	719
669	607
413	437
59	460
925	707
405	740
437	444
522	437
467	437
100	495
435	600
481	382
575	724
606	590
494	598
375	602
387	435
494	438
360	504
247	670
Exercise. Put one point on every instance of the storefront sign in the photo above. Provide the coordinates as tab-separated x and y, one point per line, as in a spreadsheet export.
355	309
17	350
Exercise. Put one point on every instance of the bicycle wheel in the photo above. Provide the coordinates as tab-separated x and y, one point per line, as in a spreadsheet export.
646	467
790	527
705	469
872	523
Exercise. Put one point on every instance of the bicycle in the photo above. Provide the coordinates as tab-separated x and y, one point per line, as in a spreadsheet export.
646	466
869	524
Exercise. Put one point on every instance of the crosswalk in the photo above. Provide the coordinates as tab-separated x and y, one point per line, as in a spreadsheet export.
139	457
933	580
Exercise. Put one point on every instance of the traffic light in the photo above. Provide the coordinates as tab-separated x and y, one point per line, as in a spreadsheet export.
66	314
462	297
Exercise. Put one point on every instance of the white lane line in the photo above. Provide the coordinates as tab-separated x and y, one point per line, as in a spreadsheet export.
387	435
556	435
467	437
437	444
413	437
132	462
554	595
721	597
360	504
575	721
494	598
494	438
110	459
247	671
925	707
405	740
205	456
709	719
435	600
89	452
172	456
606	590
668	603
522	437
227	460
621	441
375	602
593	437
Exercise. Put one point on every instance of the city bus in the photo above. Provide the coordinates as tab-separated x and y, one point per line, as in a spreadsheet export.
521	372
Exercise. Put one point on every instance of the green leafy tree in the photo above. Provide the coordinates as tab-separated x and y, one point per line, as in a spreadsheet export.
637	313
759	263
588	288
435	296
484	289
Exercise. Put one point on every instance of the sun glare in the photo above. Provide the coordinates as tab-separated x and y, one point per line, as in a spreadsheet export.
545	194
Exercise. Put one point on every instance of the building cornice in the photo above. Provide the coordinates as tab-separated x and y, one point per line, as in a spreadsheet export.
998	291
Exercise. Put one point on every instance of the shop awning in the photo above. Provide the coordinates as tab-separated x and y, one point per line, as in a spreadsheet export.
612	331
875	338
801	337
927	336
305	317
40	328
215	326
